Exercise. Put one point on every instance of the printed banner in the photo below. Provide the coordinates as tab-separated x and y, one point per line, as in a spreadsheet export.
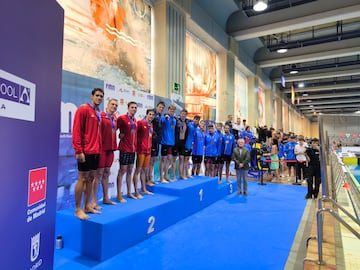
17	97
124	95
30	88
76	90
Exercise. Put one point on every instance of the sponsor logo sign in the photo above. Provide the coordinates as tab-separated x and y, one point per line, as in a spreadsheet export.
37	186
35	252
35	247
17	97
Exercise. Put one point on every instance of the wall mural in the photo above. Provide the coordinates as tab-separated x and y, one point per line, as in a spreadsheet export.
200	80
108	40
240	95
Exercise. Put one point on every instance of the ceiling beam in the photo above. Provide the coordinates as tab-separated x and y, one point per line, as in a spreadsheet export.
357	105
330	111
350	71
315	13
317	52
323	102
325	87
333	95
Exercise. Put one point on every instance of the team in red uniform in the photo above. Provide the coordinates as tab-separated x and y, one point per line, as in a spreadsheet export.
87	145
109	145
143	149
127	126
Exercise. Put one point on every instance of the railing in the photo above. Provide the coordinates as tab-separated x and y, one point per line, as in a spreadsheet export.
342	179
320	223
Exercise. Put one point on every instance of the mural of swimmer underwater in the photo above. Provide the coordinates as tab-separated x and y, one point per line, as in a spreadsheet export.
108	40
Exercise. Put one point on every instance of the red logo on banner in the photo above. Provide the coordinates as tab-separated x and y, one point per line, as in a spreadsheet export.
37	185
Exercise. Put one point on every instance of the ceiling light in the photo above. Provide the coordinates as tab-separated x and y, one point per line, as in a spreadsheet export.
305	94
282	50
260	5
293	69
309	100
301	85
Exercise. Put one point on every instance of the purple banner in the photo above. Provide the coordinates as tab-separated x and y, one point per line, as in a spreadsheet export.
30	94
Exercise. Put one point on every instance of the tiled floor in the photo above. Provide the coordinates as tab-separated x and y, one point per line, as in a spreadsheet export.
340	248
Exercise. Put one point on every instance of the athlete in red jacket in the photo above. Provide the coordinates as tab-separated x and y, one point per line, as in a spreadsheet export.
108	143
143	149
127	126
86	143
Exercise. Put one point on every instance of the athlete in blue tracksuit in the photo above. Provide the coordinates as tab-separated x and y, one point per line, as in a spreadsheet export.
290	155
227	146
168	123
198	147
211	150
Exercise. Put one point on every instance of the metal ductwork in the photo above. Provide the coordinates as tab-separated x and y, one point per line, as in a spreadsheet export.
322	66
313	41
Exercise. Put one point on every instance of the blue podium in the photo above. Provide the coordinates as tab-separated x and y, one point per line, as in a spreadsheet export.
126	224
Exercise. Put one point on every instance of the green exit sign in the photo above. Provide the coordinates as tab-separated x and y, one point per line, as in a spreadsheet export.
176	87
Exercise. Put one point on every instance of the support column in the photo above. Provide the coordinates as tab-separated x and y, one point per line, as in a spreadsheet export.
269	108
168	49
225	86
252	101
279	120
159	45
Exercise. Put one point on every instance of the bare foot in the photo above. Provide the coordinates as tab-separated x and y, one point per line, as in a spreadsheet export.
80	214
164	181
96	206
107	201
220	182
189	176
91	210
147	192
150	184
228	181
130	196
121	199
150	181
183	177
139	196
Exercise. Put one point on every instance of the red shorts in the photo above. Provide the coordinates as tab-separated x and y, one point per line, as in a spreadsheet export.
143	160
106	159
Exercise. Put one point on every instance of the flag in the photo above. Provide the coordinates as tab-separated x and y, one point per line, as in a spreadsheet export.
292	94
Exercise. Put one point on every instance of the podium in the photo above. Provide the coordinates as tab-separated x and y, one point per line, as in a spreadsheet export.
126	224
